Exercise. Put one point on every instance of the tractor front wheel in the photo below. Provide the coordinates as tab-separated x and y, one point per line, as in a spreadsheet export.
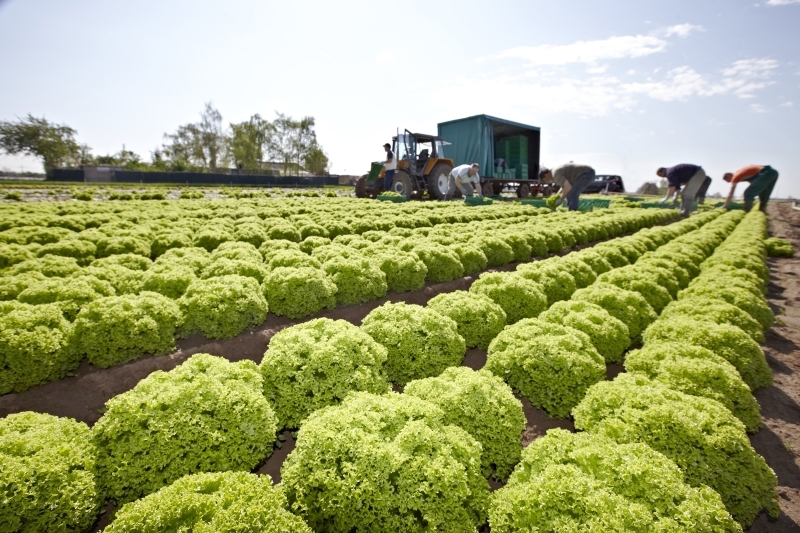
403	184
361	187
438	181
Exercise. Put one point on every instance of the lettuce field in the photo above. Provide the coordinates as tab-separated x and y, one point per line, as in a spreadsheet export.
391	431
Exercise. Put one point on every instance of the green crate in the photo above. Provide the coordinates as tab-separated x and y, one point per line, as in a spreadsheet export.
657	205
633	199
375	171
393	199
534	202
477	200
600	202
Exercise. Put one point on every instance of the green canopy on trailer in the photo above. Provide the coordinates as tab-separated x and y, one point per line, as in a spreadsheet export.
477	139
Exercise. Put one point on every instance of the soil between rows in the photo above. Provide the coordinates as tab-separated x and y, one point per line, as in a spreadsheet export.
83	396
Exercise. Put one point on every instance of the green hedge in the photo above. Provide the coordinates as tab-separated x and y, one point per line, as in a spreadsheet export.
207	415
420	342
443	263
479	319
556	282
316	364
169	279
386	463
779	247
405	271
550	364
482	405
211	502
299	292
519	297
118	329
609	335
700	372
223	307
586	482
729	342
703	438
35	346
47	474
719	311
70	295
629	307
357	280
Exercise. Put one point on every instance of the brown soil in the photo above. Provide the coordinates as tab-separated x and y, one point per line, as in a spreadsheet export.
779	438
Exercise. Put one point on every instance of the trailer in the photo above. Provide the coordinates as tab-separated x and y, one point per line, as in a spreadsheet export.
484	139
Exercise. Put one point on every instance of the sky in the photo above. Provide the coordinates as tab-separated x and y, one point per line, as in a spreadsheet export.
624	86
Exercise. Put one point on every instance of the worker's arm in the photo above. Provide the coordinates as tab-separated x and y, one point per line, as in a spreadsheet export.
670	192
730	196
458	183
389	158
565	190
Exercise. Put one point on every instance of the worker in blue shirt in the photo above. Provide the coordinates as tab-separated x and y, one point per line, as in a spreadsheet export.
686	176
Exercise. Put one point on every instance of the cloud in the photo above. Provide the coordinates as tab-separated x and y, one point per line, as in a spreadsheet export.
628	46
787	104
742	78
682	30
615	47
782	2
597	70
758	108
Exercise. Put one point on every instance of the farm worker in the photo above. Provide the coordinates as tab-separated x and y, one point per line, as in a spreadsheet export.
389	167
701	194
464	176
762	180
573	178
688	176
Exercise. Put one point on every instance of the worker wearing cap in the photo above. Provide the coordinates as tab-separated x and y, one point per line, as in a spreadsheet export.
686	176
389	167
464	176
573	178
762	180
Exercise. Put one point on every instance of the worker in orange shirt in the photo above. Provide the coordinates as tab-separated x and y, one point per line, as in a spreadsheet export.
762	180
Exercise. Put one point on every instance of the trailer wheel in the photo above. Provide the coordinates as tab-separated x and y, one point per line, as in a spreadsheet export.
497	188
487	189
361	187
523	191
438	182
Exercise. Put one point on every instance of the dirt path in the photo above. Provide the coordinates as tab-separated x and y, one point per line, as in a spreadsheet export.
779	439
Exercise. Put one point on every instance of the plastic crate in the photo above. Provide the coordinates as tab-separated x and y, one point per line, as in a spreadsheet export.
599	202
657	205
393	199
633	199
477	200
375	171
535	202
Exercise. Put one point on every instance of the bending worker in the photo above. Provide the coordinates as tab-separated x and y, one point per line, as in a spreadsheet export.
572	178
389	167
691	177
762	180
464	176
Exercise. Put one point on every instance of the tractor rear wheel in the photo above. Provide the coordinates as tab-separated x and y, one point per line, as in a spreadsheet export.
361	187
403	184
523	191
438	182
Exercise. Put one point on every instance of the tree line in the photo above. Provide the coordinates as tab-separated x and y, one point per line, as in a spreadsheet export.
283	145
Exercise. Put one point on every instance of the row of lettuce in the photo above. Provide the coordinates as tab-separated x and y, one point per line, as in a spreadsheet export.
665	446
57	313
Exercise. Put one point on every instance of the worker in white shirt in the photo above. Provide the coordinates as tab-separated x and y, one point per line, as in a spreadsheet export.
464	176
389	167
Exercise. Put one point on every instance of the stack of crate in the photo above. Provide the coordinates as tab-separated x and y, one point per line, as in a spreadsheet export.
515	151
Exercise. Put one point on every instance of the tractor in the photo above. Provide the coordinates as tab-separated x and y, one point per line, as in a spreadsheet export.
420	167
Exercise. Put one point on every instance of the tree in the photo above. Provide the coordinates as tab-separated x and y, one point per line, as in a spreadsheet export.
316	161
248	142
55	144
648	187
202	144
291	141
